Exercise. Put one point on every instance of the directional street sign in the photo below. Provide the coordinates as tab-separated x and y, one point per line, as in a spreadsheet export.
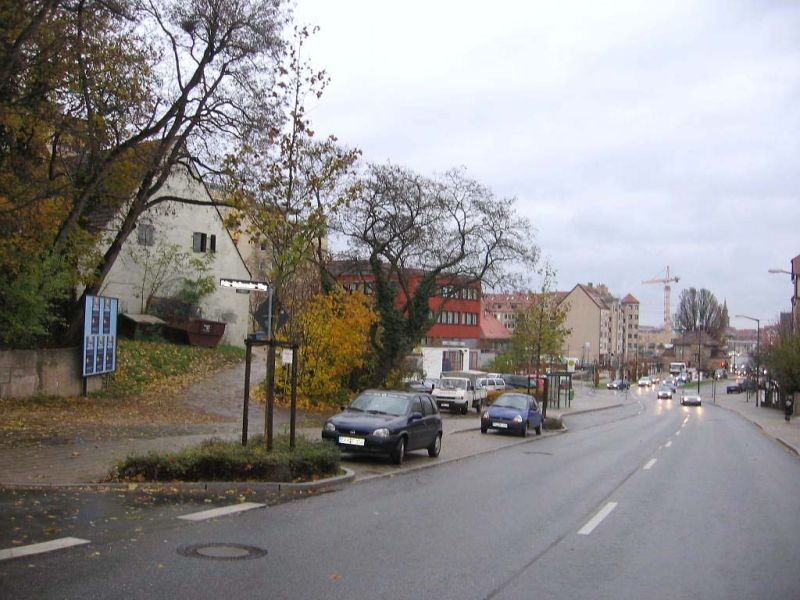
245	284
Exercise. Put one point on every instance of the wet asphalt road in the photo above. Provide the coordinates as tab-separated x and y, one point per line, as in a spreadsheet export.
650	500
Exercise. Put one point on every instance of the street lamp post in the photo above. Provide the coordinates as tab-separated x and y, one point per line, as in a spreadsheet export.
794	322
699	337
758	346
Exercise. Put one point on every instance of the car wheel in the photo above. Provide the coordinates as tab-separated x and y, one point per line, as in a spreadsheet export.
399	451
465	408
436	446
538	430
524	432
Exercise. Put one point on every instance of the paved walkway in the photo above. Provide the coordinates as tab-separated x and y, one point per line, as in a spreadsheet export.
90	461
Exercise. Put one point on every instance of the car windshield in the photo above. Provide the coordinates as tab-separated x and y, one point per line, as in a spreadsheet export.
453	384
381	403
512	401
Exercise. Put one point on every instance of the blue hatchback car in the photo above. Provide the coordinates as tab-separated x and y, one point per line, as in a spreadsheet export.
387	422
514	412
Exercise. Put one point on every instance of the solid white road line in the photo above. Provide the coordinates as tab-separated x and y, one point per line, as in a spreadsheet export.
597	519
650	464
668	444
219	512
58	544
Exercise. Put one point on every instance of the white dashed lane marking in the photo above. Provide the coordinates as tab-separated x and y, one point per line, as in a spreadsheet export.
41	548
597	519
221	512
668	444
650	464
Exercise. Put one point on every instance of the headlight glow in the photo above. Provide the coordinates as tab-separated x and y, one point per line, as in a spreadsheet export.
330	426
518	419
486	415
381	433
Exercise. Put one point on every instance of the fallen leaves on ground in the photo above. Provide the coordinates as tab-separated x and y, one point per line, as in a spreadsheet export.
156	373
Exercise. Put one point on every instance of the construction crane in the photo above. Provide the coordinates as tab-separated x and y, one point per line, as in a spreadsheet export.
667	290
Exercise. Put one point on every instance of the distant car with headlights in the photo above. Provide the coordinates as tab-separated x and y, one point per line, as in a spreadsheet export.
513	412
387	422
691	401
644	382
618	384
665	393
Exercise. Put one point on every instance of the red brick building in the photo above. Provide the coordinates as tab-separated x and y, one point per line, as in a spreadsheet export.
458	323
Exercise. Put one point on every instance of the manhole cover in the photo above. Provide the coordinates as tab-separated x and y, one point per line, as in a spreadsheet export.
222	551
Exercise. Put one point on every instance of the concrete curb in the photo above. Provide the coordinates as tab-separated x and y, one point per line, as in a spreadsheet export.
591	410
446	461
781	441
788	446
191	486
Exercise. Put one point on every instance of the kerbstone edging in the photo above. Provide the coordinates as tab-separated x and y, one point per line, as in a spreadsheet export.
190	486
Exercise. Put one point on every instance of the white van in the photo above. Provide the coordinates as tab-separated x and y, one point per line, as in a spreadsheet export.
459	394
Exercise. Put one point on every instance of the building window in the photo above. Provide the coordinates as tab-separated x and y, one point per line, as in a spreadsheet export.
202	242
199	241
145	233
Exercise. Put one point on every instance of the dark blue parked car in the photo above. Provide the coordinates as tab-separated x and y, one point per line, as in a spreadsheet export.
387	422
513	412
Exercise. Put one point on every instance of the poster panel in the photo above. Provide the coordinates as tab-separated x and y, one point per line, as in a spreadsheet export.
99	335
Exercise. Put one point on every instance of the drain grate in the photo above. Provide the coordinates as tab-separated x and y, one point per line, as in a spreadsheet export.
222	551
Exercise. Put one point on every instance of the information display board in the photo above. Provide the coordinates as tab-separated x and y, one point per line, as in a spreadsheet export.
99	335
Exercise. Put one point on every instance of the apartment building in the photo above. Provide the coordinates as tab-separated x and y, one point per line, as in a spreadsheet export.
506	307
603	329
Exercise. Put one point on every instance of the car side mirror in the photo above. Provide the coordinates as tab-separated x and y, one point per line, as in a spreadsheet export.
414	416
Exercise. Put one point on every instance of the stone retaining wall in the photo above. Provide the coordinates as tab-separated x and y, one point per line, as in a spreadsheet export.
48	372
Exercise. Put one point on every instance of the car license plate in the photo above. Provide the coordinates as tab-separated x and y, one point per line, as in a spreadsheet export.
351	441
445	405
500	425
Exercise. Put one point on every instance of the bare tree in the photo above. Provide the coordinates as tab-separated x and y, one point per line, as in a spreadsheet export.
699	310
449	230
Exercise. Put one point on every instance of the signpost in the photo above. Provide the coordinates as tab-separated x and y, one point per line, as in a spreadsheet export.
289	352
247	285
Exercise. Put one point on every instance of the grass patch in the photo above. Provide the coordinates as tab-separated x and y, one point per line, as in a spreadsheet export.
152	366
218	460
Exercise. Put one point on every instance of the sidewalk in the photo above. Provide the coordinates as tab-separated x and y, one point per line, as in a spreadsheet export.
90	461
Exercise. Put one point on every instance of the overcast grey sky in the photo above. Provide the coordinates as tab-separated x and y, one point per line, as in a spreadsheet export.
634	134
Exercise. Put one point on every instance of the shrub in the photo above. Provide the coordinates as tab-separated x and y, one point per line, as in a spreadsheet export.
218	460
